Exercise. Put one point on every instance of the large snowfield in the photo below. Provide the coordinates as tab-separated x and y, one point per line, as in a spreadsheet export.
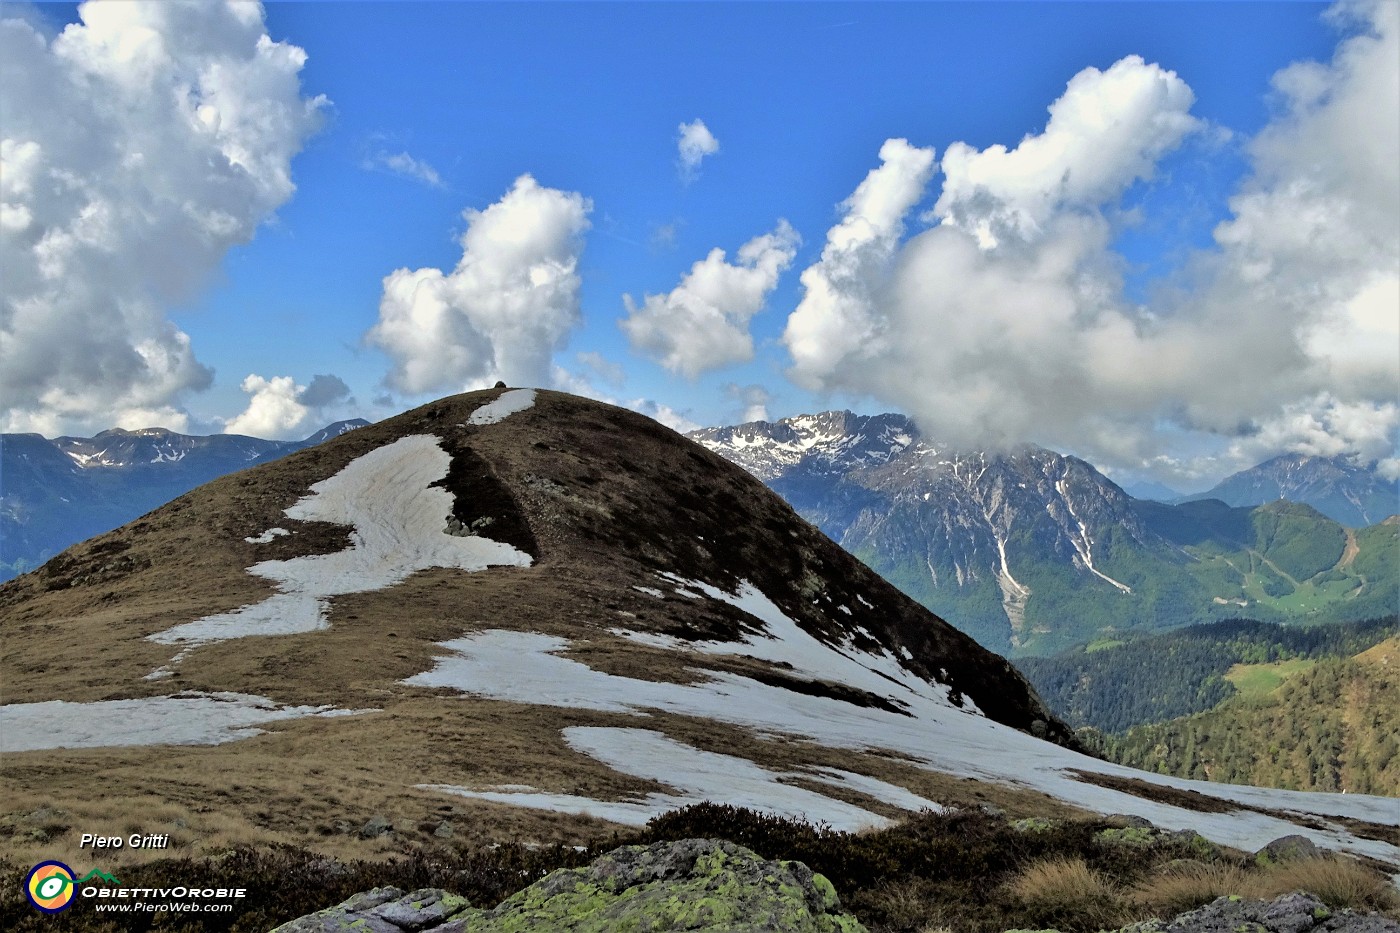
398	520
698	776
531	668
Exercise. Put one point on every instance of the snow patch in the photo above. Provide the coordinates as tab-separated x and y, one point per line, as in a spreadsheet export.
1084	545
696	776
267	536
397	519
651	639
503	406
785	643
650	591
527	668
181	719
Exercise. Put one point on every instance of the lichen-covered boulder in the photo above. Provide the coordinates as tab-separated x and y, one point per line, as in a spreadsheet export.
694	885
699	885
1141	834
383	910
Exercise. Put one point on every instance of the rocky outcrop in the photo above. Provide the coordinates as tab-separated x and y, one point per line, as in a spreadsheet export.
1291	913
695	885
1286	849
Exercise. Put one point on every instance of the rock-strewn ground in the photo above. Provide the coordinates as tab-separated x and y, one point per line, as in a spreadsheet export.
1291	913
695	884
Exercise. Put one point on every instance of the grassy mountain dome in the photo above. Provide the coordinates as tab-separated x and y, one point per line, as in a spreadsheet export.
510	615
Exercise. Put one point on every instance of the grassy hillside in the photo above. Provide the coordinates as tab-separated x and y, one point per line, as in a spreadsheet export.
1280	562
1329	726
1283	561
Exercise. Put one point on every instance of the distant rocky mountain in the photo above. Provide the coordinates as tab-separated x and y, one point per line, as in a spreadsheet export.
54	493
1347	492
536	617
1031	551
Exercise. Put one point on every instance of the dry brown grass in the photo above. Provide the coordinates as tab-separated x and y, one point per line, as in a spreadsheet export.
1185	886
1057	890
1337	880
314	782
906	904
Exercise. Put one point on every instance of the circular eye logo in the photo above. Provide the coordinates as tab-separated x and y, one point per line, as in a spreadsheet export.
49	886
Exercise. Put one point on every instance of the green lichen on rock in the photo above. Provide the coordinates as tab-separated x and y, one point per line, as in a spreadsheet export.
1146	836
694	884
700	885
1034	824
1128	835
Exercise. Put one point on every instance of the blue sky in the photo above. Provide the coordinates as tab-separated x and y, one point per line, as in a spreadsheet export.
427	110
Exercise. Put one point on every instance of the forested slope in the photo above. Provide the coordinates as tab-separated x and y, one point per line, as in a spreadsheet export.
1112	686
1331	727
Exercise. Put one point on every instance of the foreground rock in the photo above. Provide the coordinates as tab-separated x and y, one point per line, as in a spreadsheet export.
695	884
1291	913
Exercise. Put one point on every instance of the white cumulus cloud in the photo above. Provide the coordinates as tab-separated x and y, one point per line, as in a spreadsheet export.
1007	320
675	420
837	316
280	409
139	145
273	411
1107	130
703	323
693	143
502	313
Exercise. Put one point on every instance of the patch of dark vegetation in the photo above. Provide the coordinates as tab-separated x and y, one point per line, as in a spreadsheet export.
285	882
825	688
481	503
1185	799
971	871
101	560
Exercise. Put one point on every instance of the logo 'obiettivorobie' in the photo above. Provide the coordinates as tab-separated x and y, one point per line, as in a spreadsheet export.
100	876
49	886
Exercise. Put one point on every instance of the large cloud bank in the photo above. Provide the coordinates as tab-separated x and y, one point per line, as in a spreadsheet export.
502	313
138	147
1006	319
